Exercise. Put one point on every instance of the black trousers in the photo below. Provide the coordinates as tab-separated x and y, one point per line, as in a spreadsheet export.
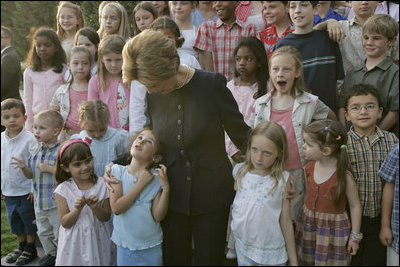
371	251
208	232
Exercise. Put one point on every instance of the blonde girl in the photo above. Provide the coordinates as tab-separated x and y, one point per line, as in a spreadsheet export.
140	199
44	73
324	234
108	143
290	106
70	96
107	84
144	14
260	184
181	11
83	208
114	20
69	20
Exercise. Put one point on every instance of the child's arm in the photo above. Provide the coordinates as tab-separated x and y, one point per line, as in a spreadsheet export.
206	60
389	120
355	211
120	203
334	29
20	163
102	212
386	235
68	218
47	168
286	224
160	203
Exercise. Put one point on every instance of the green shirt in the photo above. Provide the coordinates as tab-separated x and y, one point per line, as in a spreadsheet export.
384	76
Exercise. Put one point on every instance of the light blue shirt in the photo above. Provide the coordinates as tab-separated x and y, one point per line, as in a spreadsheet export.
136	228
197	18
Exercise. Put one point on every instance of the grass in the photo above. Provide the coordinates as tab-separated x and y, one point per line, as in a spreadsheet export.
8	240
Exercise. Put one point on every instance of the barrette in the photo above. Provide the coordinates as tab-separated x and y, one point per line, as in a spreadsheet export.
326	129
338	137
343	147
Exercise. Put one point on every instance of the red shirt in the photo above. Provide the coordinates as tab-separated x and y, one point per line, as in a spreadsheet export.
269	37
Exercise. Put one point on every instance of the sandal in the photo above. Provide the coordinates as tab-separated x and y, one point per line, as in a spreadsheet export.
26	257
13	255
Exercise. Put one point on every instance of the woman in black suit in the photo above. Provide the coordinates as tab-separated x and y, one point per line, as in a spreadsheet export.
189	110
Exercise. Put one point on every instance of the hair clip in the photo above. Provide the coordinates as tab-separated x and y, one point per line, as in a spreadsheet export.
343	147
326	129
338	137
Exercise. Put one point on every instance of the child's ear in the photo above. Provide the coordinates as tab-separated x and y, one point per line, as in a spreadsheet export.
64	168
392	42
326	151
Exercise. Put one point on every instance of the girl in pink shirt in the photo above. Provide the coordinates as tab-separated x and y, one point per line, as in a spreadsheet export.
107	84
44	73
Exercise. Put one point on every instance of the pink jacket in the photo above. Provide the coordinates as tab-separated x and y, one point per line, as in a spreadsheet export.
108	96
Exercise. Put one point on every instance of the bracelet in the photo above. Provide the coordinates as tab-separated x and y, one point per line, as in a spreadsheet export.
356	237
354	240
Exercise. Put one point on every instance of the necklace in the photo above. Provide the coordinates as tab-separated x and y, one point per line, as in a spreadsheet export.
188	71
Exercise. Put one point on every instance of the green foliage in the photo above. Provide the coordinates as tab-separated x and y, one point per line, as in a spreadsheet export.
23	17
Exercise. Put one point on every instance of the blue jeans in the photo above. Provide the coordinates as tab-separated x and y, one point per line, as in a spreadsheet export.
146	257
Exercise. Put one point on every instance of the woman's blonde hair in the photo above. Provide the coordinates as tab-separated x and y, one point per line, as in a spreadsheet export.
123	29
77	12
299	85
94	111
274	132
150	58
111	43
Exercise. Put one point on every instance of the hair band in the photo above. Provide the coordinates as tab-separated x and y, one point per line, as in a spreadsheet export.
338	137
326	129
86	140
343	147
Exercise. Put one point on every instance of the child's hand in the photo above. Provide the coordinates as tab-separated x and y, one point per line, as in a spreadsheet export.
352	247
386	236
144	176
19	162
109	179
335	30
80	202
30	197
290	191
43	167
92	201
162	175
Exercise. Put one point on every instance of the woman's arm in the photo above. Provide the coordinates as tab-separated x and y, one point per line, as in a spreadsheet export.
160	203
355	211
286	224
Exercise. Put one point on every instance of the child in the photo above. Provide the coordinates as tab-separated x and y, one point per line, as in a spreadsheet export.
260	184
162	8
44	72
181	11
251	12
276	14
46	128
321	56
70	96
290	106
389	234
216	40
16	141
69	21
114	20
140	199
203	12
379	34
323	233
83	208
367	147
325	12
137	102
107	84
144	14
107	143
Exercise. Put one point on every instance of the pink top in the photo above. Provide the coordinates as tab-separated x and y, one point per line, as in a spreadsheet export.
109	96
76	99
244	98
284	119
39	88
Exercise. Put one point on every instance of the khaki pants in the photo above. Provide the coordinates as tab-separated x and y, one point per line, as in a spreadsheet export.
48	222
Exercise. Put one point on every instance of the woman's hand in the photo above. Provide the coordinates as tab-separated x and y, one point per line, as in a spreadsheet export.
109	179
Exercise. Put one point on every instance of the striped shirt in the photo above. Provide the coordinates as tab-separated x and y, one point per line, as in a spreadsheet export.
269	37
389	172
221	39
44	182
366	156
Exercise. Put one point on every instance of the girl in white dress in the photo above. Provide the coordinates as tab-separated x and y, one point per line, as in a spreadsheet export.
83	208
261	223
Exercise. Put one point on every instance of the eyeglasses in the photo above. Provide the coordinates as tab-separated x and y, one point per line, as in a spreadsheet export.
357	108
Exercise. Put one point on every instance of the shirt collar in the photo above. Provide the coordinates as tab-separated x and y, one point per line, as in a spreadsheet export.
238	22
44	146
384	65
377	135
354	21
15	137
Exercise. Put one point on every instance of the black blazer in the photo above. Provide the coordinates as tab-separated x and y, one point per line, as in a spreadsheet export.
190	122
10	74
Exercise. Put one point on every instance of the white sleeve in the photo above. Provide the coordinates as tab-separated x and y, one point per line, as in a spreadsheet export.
137	107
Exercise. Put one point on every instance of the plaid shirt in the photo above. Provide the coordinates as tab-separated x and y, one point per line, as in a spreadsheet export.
366	157
43	182
269	37
389	172
221	39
